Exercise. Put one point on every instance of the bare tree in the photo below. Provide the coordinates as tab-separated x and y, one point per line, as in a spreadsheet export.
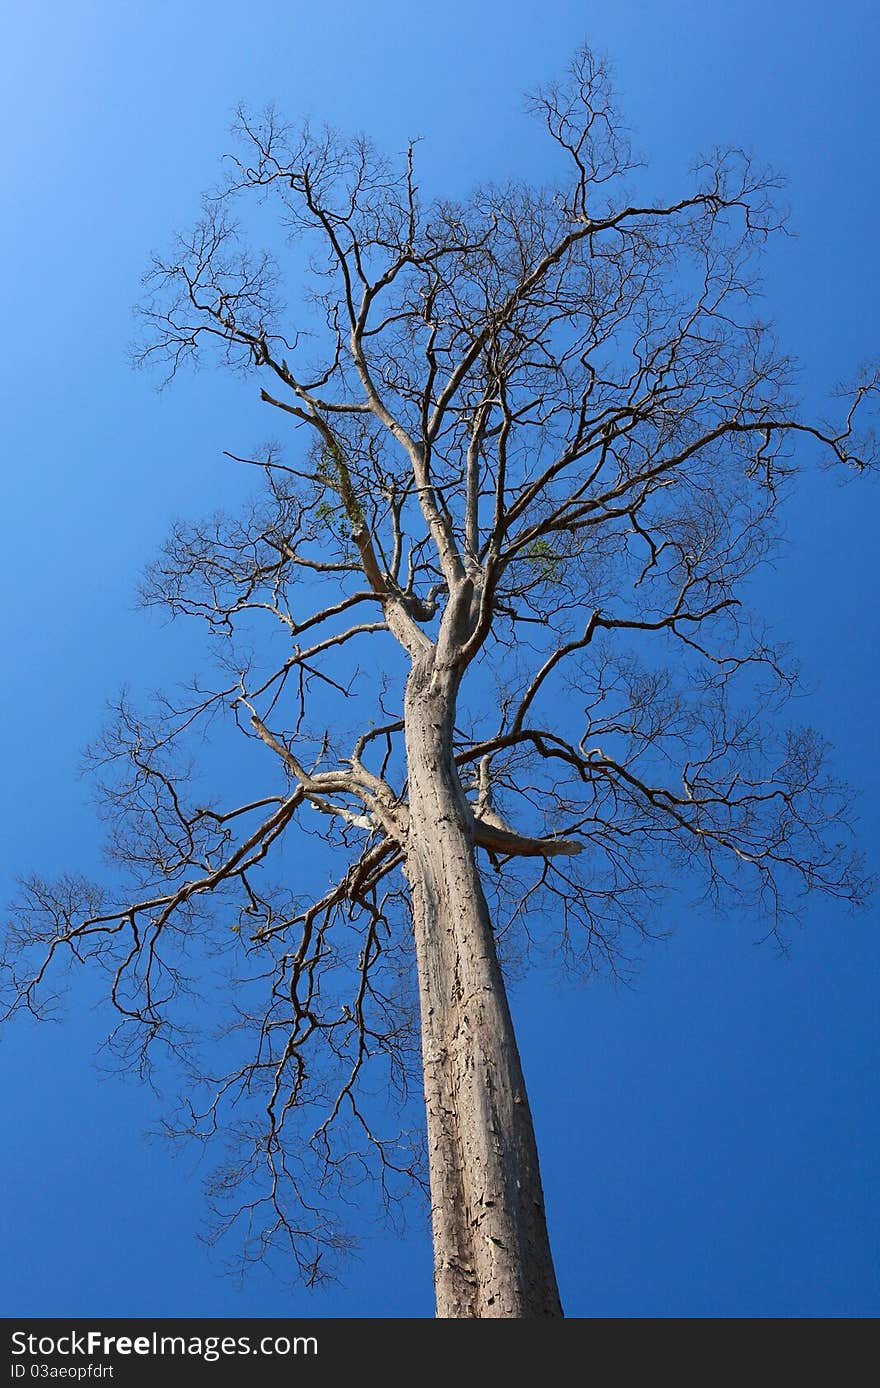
539	442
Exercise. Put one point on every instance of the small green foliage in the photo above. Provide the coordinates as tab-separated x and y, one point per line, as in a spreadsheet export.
544	559
332	469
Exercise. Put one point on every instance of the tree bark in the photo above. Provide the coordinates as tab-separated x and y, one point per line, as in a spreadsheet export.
491	1251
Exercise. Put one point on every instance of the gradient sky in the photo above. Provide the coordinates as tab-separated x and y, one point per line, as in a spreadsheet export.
709	1137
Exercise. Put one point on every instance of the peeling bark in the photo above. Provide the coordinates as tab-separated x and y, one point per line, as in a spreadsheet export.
491	1251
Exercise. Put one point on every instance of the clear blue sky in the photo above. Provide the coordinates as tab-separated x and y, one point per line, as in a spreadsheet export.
709	1138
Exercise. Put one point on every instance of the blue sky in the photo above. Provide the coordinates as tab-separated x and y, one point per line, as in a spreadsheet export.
709	1137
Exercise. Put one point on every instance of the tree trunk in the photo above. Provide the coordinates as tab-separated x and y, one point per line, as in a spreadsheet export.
491	1250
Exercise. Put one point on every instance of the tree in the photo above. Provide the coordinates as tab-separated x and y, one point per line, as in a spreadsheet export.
539	445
